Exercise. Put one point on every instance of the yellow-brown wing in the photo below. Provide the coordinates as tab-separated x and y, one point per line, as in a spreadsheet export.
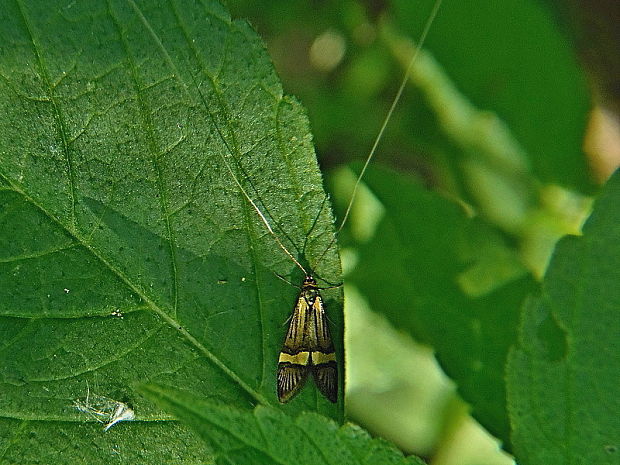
307	348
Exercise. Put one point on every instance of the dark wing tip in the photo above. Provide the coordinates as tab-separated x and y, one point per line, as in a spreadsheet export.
291	379
326	379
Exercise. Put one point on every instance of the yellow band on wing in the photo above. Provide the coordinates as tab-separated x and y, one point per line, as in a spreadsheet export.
305	358
301	358
320	357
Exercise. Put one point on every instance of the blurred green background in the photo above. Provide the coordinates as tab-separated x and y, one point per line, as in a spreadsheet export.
491	125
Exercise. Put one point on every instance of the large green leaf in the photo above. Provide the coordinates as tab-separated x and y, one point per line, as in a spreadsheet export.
564	395
451	282
267	436
127	251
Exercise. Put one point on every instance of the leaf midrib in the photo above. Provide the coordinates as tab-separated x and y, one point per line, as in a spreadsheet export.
151	304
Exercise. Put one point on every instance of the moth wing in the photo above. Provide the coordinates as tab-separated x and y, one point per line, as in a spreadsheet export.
291	378
293	365
295	340
326	379
320	337
325	369
307	347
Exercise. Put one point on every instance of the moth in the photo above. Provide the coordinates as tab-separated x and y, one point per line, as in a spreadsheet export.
308	347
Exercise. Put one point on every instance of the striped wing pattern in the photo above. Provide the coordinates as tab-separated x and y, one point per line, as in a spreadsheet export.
308	348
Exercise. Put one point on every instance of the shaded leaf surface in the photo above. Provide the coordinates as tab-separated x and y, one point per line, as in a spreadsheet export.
416	271
266	436
63	442
127	252
564	395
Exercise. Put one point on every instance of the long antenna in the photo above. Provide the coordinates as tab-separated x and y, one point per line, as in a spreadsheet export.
262	217
224	141
386	120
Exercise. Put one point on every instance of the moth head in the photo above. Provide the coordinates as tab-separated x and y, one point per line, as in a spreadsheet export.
309	281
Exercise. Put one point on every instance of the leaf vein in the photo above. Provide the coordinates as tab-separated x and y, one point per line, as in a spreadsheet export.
244	204
151	304
147	124
40	254
61	125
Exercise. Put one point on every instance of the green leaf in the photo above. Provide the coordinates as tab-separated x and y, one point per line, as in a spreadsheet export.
451	282
127	251
37	442
564	395
266	435
511	58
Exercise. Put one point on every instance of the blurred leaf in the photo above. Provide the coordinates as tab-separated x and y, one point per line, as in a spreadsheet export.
266	435
593	30
511	58
127	252
564	395
418	271
347	104
411	400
